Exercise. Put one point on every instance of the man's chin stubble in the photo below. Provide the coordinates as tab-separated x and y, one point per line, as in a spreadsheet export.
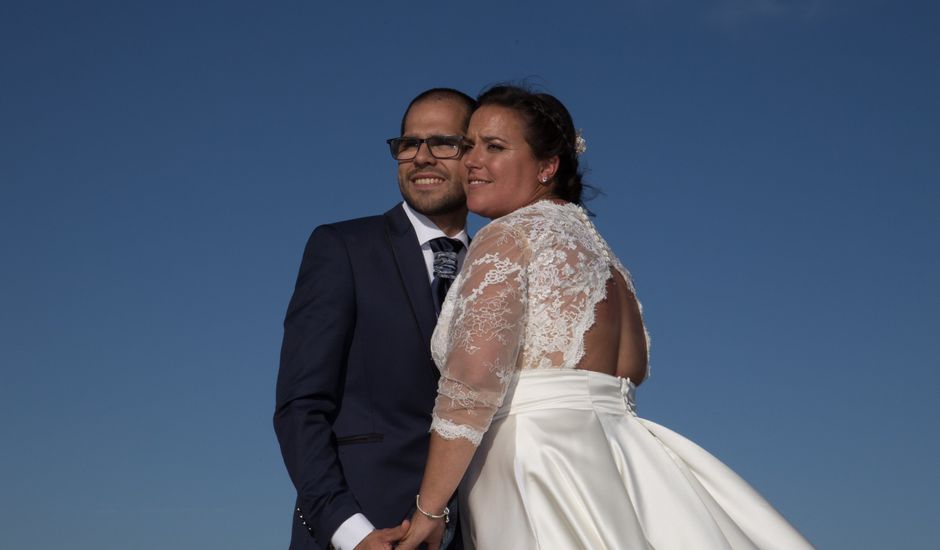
452	205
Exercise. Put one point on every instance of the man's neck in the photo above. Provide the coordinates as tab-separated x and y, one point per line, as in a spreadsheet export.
451	223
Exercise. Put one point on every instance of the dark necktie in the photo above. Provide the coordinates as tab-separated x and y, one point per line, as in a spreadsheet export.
445	268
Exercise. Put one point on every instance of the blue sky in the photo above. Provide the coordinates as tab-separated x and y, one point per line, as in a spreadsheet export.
770	175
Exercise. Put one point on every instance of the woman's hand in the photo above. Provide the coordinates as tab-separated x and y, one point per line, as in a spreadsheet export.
423	529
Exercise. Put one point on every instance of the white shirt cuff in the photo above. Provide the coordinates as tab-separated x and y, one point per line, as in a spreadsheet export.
351	532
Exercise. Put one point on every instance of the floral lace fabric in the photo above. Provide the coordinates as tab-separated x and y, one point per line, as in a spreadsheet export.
524	300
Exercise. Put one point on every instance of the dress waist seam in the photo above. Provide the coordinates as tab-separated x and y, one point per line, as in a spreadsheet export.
569	389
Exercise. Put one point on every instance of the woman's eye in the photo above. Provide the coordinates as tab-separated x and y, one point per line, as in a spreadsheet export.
494	147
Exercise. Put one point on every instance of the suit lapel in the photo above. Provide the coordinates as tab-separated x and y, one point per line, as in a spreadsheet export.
412	269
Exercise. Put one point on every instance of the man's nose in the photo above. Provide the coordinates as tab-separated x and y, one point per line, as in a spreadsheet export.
424	156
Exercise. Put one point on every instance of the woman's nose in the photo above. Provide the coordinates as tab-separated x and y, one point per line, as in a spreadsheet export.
471	159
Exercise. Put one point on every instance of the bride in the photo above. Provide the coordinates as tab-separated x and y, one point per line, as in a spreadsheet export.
541	344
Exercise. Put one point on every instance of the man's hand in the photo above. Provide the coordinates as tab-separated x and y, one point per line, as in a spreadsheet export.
430	531
384	539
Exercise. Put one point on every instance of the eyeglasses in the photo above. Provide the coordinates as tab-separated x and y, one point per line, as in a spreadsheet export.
441	147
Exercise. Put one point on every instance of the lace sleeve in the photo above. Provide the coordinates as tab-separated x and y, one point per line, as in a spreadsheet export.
486	332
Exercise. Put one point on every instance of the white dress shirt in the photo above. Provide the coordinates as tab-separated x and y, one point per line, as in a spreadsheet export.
351	532
427	231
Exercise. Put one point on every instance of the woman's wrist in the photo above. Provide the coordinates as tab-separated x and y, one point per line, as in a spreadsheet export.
432	513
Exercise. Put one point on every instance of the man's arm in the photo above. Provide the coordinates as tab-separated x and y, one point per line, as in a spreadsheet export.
317	333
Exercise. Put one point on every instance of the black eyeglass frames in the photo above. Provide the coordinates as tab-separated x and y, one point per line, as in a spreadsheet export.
440	147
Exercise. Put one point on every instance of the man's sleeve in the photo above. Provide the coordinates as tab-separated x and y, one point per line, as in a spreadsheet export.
351	532
317	333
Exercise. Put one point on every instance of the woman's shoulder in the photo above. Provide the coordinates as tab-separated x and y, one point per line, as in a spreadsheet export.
531	226
499	234
536	215
511	224
509	235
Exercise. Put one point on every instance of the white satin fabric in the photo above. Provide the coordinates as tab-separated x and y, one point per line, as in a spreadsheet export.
567	464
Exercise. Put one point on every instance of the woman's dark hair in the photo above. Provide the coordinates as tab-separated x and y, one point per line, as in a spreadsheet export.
549	131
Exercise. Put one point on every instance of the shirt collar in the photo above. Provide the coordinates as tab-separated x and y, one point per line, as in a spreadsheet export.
427	230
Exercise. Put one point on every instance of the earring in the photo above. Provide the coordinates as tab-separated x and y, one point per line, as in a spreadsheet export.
543	179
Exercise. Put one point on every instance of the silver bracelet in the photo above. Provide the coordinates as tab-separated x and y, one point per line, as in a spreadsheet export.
445	514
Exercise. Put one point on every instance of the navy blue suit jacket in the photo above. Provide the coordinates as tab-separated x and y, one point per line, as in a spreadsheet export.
356	383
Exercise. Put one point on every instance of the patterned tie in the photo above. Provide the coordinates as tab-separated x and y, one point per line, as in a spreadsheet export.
445	268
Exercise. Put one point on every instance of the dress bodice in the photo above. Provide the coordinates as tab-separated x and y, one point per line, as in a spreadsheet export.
524	299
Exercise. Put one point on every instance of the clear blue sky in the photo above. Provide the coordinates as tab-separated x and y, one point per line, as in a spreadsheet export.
770	171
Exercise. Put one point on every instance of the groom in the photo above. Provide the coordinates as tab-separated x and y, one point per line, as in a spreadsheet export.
356	383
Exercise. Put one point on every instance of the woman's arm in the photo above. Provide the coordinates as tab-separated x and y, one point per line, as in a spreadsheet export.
485	336
447	461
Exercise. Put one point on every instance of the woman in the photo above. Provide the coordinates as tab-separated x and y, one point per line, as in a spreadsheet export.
539	342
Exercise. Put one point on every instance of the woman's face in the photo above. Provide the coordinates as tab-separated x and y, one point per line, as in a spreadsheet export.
502	172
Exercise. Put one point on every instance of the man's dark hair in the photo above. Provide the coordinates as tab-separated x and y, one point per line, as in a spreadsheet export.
442	93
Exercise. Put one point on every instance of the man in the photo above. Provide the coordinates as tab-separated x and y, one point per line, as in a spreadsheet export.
356	383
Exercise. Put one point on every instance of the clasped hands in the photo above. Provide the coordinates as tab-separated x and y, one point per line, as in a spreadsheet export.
407	536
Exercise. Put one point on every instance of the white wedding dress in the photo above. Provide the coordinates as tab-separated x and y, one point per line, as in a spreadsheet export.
563	460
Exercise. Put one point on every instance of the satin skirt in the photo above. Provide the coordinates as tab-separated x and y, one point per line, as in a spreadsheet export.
567	464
